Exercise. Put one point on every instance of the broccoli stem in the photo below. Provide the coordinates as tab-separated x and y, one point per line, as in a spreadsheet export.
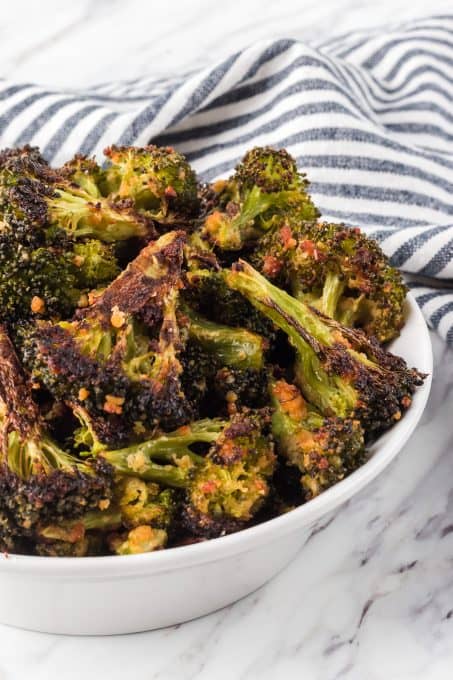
234	347
140	465
167	449
95	519
39	455
332	291
83	217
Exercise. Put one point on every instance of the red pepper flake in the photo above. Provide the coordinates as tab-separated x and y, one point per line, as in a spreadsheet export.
323	464
271	266
286	236
209	487
170	192
113	404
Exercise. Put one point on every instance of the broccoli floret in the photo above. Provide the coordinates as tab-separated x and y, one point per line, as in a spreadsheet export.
96	263
158	180
223	367
265	187
85	173
340	271
137	508
235	347
143	503
36	282
208	294
45	199
142	539
339	370
224	488
39	481
324	448
118	358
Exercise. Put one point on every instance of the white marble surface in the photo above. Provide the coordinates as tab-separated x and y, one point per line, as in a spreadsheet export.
372	598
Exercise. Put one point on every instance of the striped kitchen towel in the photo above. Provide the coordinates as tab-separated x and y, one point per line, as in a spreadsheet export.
368	115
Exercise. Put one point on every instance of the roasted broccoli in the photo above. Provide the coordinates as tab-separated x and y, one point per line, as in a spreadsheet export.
96	263
85	173
339	370
223	366
265	188
45	199
158	180
340	271
41	282
39	481
324	448
235	347
157	336
208	293
225	487
118	358
136	521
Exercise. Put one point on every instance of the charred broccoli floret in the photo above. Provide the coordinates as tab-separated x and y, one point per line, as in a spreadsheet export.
158	180
118	358
324	448
85	173
208	293
338	270
136	521
143	503
224	488
41	282
265	187
96	263
222	365
39	481
339	370
45	199
235	347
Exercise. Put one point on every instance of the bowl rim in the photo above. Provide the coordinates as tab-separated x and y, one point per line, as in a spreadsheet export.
248	539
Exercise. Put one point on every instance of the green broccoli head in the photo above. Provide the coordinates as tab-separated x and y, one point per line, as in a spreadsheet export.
40	482
223	367
272	170
158	180
40	282
96	263
119	357
340	271
85	173
136	520
265	188
46	199
341	371
208	293
324	448
233	483
225	487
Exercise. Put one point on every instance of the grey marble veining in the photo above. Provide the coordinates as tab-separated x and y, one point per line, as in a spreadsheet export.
372	597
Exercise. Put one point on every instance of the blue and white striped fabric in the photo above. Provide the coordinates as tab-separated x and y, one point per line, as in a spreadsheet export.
368	115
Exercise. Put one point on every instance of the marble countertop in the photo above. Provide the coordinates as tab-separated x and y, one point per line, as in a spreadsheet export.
372	597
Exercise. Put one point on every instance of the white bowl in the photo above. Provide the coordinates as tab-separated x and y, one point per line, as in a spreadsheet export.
112	595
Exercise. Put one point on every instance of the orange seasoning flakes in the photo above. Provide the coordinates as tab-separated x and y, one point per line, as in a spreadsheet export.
287	238
170	192
113	404
271	266
118	318
83	394
37	305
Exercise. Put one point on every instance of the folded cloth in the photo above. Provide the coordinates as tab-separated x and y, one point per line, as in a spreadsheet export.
368	115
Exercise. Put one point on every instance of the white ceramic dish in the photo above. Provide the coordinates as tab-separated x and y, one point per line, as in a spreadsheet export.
112	595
